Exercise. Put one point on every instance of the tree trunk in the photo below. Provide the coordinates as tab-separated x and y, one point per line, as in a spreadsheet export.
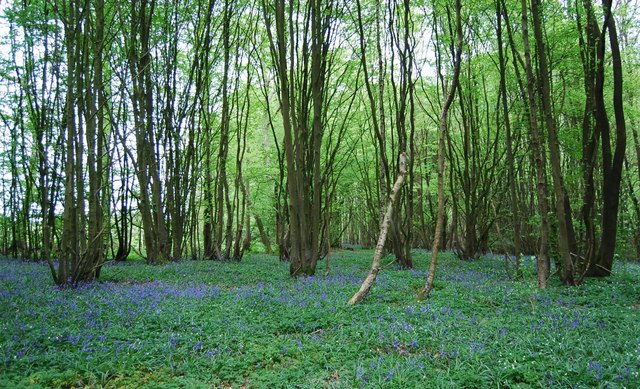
375	265
563	209
303	111
538	156
156	236
590	133
611	164
511	171
442	130
70	244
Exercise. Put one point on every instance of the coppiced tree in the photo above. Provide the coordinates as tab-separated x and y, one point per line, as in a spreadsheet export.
83	249
230	96
147	161
402	119
598	255
566	240
475	163
389	57
300	35
509	138
176	138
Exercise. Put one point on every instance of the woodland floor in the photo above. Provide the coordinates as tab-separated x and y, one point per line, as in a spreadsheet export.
218	324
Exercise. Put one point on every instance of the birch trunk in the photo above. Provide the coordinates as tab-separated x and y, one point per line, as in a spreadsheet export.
386	221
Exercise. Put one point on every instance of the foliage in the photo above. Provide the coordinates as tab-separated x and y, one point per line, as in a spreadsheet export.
227	324
209	114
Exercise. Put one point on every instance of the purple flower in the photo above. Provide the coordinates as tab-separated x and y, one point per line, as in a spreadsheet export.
596	369
390	375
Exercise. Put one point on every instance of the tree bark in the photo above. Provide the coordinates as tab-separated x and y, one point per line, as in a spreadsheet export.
538	156
563	209
511	171
442	131
612	163
303	109
375	265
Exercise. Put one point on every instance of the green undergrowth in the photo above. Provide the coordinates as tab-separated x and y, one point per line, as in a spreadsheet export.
203	324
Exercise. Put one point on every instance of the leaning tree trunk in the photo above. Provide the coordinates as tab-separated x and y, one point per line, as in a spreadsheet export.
375	265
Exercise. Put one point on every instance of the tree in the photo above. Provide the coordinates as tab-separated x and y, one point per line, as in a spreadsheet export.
539	157
302	81
563	209
156	235
511	169
392	107
83	248
377	255
612	160
442	133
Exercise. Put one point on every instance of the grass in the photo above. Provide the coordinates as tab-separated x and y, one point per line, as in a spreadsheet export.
213	324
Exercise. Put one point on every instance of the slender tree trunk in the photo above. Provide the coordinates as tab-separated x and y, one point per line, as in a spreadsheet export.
156	236
94	118
402	90
243	219
375	265
612	162
563	210
538	156
590	132
70	246
202	67
511	171
376	105
246	242
442	130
